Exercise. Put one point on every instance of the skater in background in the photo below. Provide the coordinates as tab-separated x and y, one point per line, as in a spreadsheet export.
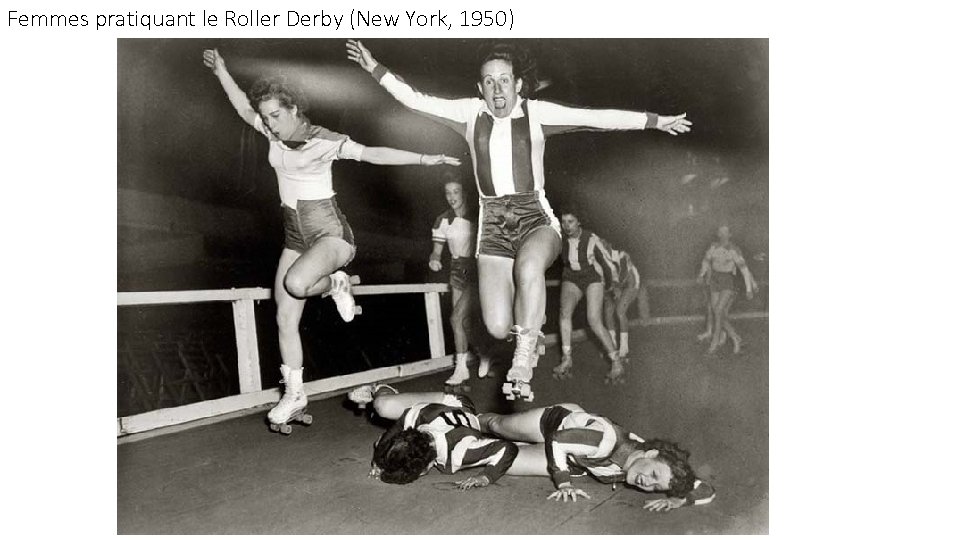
455	230
620	292
519	235
318	241
721	262
585	259
432	430
565	441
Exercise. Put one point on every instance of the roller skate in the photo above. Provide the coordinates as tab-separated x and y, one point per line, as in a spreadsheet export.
525	358
364	394
616	374
457	383
565	369
292	406
340	284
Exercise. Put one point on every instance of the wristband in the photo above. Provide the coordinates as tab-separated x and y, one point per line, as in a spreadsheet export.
652	119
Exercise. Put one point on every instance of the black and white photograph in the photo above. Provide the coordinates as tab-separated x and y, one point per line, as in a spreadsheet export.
398	286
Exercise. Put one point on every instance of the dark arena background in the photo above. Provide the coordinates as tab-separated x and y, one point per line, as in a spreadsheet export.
198	209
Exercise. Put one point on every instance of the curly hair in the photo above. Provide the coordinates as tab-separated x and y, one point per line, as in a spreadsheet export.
286	94
404	457
682	476
524	64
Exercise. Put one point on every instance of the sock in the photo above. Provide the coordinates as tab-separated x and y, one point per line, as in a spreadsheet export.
462	357
567	350
613	337
624	343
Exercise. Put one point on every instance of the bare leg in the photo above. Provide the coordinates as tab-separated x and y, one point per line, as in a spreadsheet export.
458	318
289	310
537	253
530	461
627	297
609	308
520	427
709	330
717	327
569	298
496	294
725	305
595	319
309	274
391	406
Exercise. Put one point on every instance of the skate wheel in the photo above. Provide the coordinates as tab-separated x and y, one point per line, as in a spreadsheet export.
286	429
354	280
274	428
307	419
358	310
529	397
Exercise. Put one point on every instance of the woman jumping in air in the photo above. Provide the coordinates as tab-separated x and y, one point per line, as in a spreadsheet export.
519	234
318	241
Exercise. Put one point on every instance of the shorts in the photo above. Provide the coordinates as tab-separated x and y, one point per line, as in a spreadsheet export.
552	418
581	278
313	220
505	222
463	273
721	281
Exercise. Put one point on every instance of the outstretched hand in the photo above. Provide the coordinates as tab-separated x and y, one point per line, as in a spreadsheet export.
674	125
567	492
439	159
374	472
213	60
663	505
361	55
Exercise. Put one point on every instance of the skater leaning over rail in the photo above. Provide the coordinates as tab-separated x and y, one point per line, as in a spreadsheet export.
318	241
519	234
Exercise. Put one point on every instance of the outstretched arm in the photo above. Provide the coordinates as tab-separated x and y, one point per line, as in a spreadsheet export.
213	60
457	110
564	118
380	155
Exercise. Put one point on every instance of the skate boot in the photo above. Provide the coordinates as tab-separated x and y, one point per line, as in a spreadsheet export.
340	284
364	394
457	382
565	369
293	404
615	376
524	360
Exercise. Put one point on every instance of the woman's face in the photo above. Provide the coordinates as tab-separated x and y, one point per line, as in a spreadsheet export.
283	122
649	474
454	194
570	224
499	87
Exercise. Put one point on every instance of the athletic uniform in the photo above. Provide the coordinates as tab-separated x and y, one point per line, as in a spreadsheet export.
304	175
507	155
582	257
629	276
723	266
597	445
455	431
459	234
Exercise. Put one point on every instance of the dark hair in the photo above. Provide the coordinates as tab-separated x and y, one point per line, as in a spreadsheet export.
524	64
288	95
573	211
682	476
404	457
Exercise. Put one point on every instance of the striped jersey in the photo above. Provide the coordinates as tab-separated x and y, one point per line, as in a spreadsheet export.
305	173
724	259
625	269
585	251
507	153
458	233
601	447
456	435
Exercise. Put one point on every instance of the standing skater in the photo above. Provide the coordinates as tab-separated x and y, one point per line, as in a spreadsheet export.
583	253
721	262
519	234
318	241
454	229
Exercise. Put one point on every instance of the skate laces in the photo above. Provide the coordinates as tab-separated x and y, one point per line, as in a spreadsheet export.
526	343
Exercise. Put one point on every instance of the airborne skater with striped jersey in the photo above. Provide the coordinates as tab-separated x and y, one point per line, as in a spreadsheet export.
519	235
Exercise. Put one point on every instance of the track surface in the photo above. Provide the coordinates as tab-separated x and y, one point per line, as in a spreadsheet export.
237	477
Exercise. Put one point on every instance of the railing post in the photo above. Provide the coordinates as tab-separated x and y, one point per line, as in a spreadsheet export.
248	355
435	324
